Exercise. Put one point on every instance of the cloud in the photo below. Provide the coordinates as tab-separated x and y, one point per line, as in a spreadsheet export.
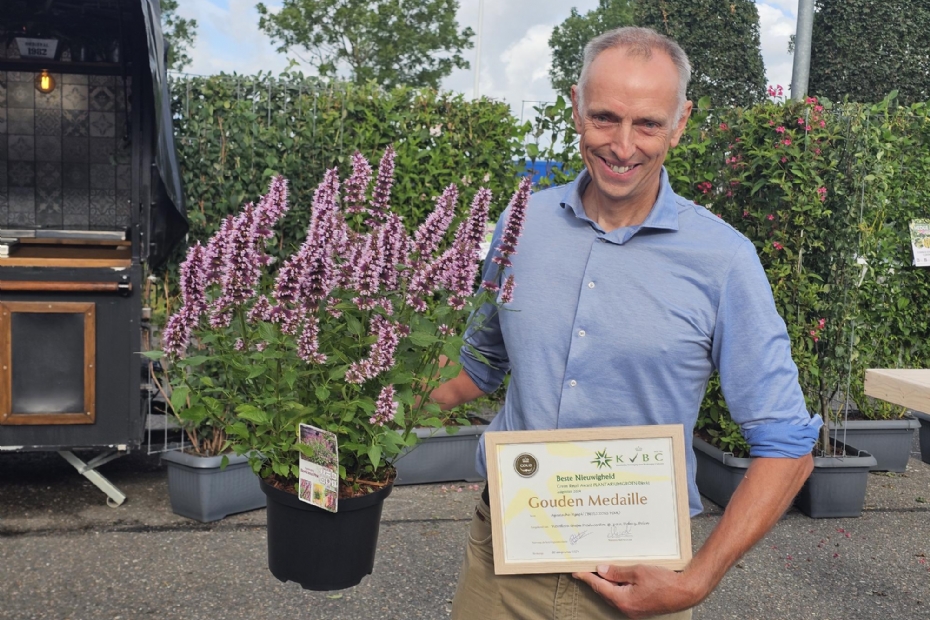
776	28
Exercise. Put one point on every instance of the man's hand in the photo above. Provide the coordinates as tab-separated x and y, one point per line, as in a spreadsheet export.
642	591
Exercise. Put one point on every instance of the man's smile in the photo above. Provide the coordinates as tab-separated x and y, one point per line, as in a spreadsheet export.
617	169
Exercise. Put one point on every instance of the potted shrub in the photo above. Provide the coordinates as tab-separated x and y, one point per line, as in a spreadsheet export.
345	337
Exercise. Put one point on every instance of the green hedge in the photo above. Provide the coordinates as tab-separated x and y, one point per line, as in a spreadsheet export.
825	193
235	132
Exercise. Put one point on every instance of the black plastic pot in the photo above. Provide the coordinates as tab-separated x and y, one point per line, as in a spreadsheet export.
924	436
318	549
836	488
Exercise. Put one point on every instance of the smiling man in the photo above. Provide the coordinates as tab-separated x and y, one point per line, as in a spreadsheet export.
628	298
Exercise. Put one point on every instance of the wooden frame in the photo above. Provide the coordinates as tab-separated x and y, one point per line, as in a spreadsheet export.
10	417
546	456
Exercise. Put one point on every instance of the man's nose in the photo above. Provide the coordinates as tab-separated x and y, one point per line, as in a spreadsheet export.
621	143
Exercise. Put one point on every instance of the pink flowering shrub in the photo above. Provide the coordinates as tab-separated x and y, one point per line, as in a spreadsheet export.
345	334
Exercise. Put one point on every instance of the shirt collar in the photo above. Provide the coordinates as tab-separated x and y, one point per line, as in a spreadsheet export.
663	215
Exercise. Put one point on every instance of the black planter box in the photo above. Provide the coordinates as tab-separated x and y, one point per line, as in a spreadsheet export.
718	472
836	488
889	441
924	421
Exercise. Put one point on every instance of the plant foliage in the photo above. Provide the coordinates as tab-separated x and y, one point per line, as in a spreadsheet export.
722	42
569	38
180	34
862	49
390	42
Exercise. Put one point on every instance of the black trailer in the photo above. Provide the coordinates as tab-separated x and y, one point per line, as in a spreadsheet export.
90	192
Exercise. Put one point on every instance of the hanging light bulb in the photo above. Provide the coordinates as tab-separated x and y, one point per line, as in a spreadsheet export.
45	83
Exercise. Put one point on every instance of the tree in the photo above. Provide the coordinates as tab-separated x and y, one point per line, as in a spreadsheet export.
864	49
569	38
412	42
179	34
721	38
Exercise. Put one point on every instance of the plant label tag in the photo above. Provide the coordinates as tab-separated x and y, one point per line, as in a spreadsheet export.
920	242
319	467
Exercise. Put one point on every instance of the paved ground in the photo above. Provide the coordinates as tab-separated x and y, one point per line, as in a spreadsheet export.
65	555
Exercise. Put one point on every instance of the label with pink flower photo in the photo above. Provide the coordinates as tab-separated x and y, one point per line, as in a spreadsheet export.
920	242
319	467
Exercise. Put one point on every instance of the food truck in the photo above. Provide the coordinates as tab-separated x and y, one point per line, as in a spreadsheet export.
90	196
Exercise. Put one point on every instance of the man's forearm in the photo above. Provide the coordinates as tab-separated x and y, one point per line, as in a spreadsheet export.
455	392
759	502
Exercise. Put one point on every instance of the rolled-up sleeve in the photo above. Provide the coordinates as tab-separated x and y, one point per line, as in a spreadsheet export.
484	331
752	352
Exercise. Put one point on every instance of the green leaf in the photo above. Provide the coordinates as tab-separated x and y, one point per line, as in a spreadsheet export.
322	393
194	361
374	453
252	414
179	397
422	339
153	355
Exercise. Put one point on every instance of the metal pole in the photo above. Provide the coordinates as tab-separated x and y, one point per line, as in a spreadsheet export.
800	74
478	46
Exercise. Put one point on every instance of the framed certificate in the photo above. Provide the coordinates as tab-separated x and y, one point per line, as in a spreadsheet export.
568	500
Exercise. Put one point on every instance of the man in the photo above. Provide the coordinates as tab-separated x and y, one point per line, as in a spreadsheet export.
628	297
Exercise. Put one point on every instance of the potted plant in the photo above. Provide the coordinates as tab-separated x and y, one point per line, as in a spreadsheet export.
344	338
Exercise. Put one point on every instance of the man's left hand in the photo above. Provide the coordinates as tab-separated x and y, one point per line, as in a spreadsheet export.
642	591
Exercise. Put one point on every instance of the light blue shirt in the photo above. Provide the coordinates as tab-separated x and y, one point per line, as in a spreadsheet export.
625	328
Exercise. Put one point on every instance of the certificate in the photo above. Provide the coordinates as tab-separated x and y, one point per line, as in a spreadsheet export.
568	500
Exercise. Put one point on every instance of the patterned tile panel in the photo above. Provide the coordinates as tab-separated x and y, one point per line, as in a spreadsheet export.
103	124
21	148
76	208
102	176
4	207
48	175
22	206
76	176
123	205
75	123
102	80
21	121
48	207
102	99
123	177
20	76
20	94
74	149
48	148
52	100
3	123
48	122
102	208
74	97
102	151
74	78
21	174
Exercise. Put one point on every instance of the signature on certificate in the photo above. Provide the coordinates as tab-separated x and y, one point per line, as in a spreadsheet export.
618	532
574	538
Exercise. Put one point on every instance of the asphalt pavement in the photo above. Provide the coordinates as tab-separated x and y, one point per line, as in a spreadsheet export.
66	555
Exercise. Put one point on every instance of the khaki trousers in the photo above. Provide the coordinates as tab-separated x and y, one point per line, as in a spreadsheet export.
482	595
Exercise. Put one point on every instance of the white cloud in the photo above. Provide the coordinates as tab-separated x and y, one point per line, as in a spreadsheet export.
515	52
775	30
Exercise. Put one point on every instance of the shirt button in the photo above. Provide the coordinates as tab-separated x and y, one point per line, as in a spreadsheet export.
581	333
590	284
573	383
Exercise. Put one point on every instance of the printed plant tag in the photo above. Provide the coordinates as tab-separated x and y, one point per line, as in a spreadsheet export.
319	468
920	242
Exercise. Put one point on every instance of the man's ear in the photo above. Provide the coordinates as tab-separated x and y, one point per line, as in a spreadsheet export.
682	123
576	112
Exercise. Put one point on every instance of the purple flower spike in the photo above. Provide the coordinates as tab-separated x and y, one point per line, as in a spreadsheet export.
514	227
385	407
461	270
395	245
271	208
308	345
507	291
381	358
381	198
357	185
177	333
194	281
429	234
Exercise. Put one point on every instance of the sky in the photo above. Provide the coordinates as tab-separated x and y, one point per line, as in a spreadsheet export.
515	53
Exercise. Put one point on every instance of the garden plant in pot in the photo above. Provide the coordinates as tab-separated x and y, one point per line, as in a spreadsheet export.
329	359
